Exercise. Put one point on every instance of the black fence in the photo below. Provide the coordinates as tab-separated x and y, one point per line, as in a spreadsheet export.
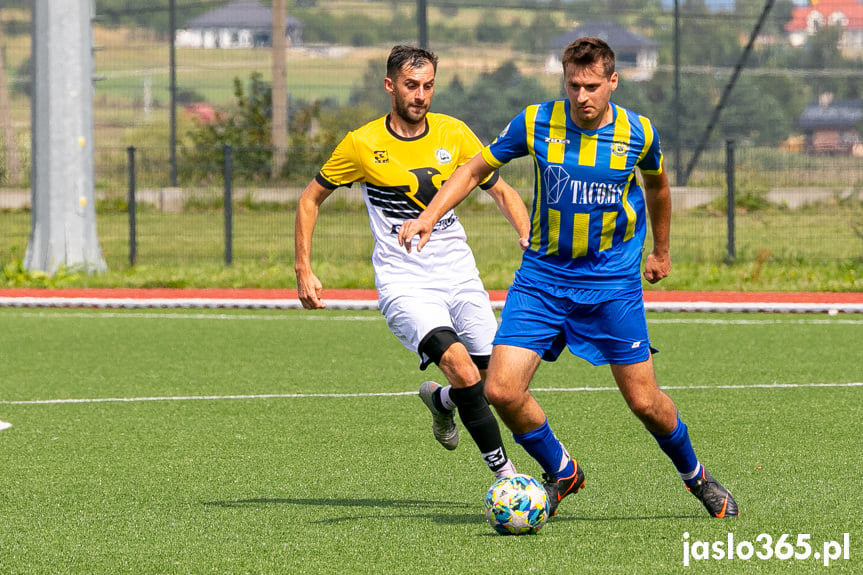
744	205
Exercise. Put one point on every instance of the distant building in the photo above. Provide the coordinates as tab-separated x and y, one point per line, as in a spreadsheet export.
832	126
636	55
242	24
710	5
807	20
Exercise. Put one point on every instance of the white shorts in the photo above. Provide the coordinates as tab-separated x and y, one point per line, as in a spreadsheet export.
414	311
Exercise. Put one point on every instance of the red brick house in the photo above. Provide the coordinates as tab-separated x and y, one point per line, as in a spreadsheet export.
807	20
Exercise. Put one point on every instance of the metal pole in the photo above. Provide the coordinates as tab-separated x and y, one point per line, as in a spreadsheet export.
729	176
173	88
133	231
714	118
228	175
678	160
422	24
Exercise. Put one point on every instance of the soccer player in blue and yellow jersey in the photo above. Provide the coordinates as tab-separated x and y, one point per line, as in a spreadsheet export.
579	284
435	305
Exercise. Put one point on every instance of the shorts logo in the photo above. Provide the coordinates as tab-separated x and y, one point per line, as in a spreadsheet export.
381	156
636	344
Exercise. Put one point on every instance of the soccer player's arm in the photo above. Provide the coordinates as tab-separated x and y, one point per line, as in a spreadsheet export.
464	179
512	207
657	196
338	170
308	285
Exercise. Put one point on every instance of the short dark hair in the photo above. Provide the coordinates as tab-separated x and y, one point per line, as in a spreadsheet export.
408	56
587	51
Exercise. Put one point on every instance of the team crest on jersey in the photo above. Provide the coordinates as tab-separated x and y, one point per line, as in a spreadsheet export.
443	156
381	156
619	148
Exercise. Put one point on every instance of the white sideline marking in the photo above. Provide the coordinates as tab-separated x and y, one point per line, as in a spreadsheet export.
130	303
395	393
223	316
312	316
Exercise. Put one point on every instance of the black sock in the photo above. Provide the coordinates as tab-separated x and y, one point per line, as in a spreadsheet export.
476	415
438	404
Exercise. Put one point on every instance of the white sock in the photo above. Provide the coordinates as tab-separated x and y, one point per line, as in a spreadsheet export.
507	469
691	475
444	398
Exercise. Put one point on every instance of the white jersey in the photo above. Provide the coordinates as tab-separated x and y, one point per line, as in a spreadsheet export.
399	177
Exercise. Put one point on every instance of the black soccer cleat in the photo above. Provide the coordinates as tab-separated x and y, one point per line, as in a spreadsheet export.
558	488
716	499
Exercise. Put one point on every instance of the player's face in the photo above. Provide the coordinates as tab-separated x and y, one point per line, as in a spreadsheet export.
589	90
412	93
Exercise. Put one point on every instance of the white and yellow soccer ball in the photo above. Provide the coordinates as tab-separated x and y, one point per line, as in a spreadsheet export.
516	505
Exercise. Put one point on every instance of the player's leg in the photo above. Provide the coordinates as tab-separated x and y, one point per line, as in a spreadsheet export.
660	416
465	363
412	314
615	332
529	332
510	372
445	349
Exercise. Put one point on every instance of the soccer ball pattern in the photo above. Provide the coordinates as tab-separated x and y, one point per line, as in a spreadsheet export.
516	505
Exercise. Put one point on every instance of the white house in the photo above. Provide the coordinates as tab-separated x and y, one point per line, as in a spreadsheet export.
244	24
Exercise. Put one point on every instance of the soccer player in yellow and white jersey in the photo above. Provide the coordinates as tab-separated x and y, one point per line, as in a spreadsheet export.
435	304
579	285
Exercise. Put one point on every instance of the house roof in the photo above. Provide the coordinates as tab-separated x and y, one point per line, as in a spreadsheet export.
836	114
243	14
616	35
828	12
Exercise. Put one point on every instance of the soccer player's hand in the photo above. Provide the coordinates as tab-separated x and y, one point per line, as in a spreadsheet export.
411	228
656	266
309	291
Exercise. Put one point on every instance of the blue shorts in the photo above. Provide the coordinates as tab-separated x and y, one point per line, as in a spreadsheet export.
609	331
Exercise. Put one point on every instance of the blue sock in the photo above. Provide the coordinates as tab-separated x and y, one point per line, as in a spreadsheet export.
677	446
543	446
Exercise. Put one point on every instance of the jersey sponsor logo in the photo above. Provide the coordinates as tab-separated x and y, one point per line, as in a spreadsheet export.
381	156
443	156
408	201
556	140
560	187
442	224
556	181
596	193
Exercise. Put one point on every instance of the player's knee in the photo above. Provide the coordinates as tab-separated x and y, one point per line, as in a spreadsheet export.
497	394
649	409
435	344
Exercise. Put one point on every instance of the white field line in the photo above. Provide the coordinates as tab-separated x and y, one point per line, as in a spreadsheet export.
401	393
318	316
215	303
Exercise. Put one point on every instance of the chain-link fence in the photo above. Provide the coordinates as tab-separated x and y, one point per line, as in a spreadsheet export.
798	194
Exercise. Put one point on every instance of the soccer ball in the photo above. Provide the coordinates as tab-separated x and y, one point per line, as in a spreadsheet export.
516	505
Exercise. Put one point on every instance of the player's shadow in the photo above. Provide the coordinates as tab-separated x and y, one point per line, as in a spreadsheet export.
443	512
565	518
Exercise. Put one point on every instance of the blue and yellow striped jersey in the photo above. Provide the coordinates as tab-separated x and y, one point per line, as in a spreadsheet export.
588	219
